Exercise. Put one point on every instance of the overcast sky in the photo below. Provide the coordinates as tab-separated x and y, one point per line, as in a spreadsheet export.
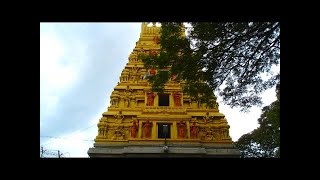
80	64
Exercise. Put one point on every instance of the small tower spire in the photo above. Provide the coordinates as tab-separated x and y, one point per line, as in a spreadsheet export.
143	28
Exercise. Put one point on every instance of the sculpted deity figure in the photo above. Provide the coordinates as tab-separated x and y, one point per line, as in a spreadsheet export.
181	129
194	130
209	135
225	133
177	99
150	99
127	95
156	39
147	129
119	117
207	118
152	72
134	129
102	128
118	134
173	77
135	73
153	52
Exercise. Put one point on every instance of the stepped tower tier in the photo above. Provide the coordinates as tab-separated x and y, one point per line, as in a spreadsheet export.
142	123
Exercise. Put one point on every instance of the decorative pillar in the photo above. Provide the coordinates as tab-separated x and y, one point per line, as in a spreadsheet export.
174	131
188	129
156	100
145	99
140	129
171	100
154	130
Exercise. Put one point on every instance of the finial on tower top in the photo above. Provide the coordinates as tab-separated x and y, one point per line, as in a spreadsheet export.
144	24
145	30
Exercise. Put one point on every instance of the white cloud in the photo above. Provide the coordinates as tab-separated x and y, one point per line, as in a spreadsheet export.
60	65
242	123
75	144
51	50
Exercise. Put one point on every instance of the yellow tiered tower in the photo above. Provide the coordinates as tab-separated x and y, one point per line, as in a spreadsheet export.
142	123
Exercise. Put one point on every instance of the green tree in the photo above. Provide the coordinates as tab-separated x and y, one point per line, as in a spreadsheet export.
265	140
227	58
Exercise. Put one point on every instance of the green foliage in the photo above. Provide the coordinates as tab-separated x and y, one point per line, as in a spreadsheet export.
265	140
224	57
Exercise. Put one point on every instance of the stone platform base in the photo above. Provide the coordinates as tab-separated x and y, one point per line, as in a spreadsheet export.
159	151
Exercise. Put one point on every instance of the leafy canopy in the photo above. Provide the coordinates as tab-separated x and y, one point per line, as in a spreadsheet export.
229	58
265	140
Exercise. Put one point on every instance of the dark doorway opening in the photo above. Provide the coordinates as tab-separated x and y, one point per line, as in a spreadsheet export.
162	133
163	99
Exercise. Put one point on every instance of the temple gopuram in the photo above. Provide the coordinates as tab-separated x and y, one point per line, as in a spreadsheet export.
142	123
